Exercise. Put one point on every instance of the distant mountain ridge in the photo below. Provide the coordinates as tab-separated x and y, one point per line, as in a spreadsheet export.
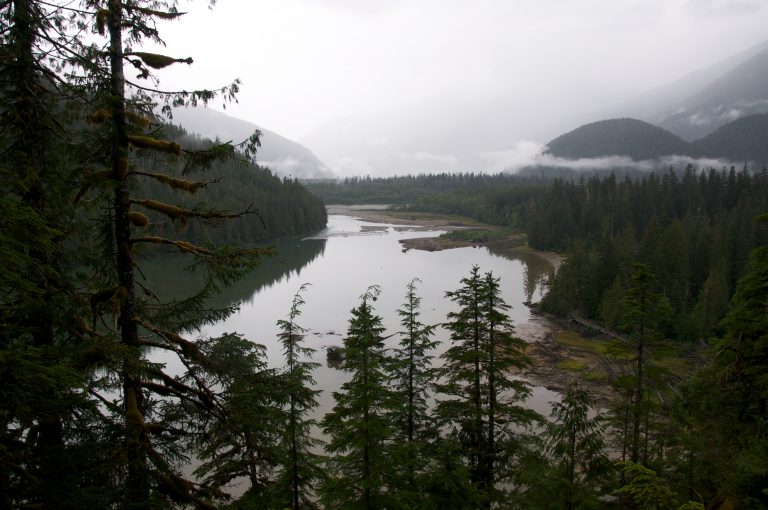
745	139
284	157
741	92
634	138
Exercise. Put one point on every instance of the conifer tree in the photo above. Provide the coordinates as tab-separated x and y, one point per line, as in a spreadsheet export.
485	409
243	440
300	473
44	388
359	427
576	447
413	377
644	310
152	430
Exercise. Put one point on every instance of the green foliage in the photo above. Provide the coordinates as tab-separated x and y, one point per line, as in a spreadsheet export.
412	379
483	410
576	445
618	137
243	439
298	479
572	466
359	428
646	489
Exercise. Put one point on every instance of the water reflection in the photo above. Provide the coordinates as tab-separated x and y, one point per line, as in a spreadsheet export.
340	263
536	270
166	275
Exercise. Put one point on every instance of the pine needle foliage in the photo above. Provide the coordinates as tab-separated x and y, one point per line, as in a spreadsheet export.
359	427
300	472
484	411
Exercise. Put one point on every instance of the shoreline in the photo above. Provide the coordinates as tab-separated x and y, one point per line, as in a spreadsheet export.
378	213
540	330
546	354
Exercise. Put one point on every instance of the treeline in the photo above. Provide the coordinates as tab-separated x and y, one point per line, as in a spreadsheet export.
424	191
407	432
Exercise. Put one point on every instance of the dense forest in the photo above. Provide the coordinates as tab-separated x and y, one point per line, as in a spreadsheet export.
281	207
93	179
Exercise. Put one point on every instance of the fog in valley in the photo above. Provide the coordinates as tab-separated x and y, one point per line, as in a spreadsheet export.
408	87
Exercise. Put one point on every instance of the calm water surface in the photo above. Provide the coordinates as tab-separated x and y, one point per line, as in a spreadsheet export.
340	263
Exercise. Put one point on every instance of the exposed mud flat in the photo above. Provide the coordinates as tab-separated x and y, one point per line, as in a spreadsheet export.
546	354
434	243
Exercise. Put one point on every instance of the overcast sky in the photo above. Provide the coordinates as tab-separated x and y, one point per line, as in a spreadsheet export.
306	62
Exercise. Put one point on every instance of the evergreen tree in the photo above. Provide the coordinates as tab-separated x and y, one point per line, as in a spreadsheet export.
44	386
644	309
576	446
484	410
413	377
359	427
242	438
152	430
301	467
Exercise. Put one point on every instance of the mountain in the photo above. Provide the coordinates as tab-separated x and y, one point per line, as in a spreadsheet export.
740	92
618	137
665	101
745	139
440	134
283	156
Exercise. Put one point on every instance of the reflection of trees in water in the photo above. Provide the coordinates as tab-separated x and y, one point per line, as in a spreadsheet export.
536	270
165	274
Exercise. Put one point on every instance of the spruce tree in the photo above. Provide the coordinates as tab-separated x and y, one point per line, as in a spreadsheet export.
241	442
413	379
644	310
300	472
576	447
484	408
43	384
359	427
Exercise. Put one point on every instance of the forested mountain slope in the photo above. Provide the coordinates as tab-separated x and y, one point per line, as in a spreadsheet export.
284	157
744	139
280	207
617	137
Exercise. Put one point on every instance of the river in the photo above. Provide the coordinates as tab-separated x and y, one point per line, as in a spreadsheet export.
340	263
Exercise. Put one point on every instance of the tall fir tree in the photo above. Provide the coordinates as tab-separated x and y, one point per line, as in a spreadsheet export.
301	473
44	384
359	426
413	380
484	405
645	309
577	449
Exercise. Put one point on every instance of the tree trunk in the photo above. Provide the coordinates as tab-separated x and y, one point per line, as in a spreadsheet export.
137	487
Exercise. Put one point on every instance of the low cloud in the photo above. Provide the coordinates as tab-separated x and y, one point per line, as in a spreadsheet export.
531	154
524	153
427	157
294	167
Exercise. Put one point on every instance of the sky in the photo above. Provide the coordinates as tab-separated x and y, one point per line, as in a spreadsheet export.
305	63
